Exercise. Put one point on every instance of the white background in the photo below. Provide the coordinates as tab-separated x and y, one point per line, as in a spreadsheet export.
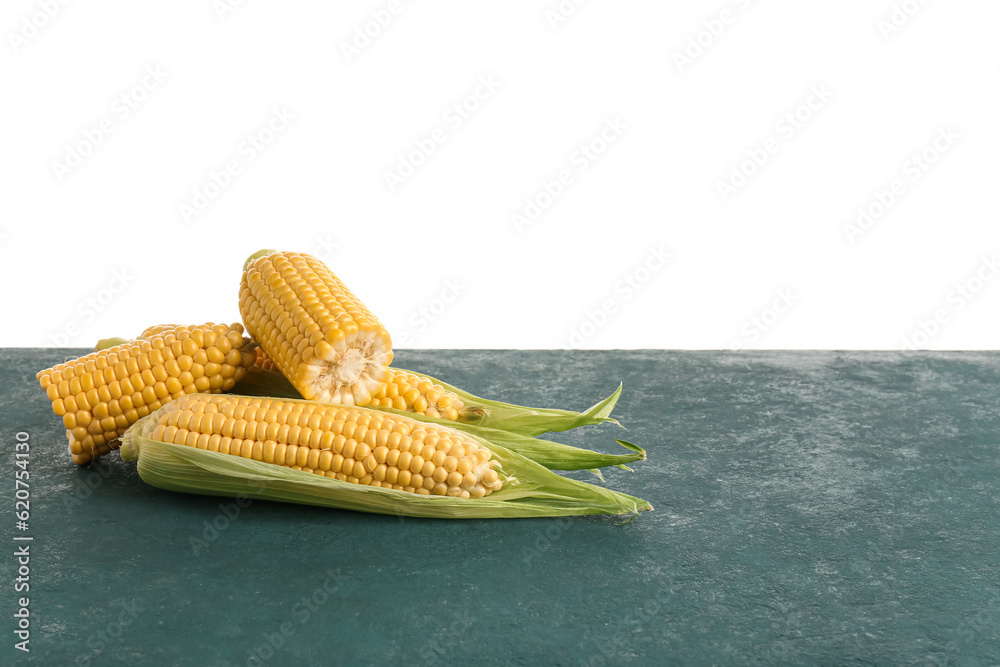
111	232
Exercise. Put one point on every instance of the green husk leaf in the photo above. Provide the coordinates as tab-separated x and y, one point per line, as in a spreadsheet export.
530	490
478	411
552	455
529	421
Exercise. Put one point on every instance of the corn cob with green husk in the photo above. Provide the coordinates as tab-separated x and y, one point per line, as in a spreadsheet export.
349	457
331	348
553	455
411	391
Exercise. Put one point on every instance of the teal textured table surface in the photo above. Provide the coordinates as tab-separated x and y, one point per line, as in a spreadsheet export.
810	508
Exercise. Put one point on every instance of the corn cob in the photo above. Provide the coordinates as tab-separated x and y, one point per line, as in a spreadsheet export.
321	337
407	391
263	380
349	457
102	393
417	393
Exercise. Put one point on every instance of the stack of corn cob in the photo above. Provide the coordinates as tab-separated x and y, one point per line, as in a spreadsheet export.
326	421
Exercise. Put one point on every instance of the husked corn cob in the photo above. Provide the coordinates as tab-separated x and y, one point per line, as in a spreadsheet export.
102	393
351	444
321	337
264	380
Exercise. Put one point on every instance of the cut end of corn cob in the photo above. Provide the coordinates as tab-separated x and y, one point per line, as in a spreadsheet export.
102	393
352	444
314	330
